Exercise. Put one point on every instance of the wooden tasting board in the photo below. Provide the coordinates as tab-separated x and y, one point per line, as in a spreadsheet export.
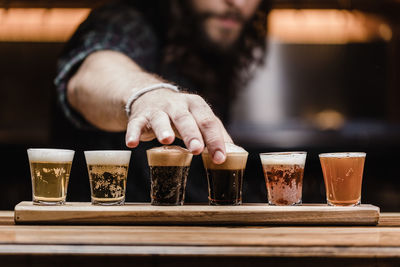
145	214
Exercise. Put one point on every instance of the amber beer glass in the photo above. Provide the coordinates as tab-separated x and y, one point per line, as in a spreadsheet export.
50	170
283	172
169	168
108	172
343	174
225	180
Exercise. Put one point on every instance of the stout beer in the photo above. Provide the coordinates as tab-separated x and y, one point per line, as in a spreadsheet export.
283	173
343	174
108	172
50	171
169	168
225	180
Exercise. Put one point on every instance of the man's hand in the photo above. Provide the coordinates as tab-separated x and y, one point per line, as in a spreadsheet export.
102	85
164	114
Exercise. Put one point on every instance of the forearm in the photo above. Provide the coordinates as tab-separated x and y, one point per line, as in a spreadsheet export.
102	85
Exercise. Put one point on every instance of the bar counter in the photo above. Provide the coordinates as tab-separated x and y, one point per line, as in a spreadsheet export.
45	245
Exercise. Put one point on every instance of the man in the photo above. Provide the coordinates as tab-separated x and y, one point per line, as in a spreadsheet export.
202	46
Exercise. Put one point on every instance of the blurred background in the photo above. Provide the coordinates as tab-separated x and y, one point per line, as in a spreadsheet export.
331	82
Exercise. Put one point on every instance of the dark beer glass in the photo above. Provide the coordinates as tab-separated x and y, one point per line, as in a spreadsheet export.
169	168
225	180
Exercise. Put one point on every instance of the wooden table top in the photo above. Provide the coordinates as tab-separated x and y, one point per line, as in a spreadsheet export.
266	241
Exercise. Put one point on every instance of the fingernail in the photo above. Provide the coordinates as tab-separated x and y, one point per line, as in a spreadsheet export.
219	157
130	142
165	135
194	145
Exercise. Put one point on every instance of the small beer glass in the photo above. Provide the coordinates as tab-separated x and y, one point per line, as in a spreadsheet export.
108	172
169	168
283	173
50	170
225	180
343	174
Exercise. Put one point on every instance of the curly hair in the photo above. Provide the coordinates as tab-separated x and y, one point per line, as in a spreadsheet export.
217	74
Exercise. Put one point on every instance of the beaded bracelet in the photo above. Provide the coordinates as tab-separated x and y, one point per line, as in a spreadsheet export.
141	92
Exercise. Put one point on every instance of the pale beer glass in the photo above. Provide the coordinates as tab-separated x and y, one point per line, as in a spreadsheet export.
169	169
225	180
283	173
108	172
343	174
50	171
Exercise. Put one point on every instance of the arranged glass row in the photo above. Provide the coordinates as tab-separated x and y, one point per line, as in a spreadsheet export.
169	168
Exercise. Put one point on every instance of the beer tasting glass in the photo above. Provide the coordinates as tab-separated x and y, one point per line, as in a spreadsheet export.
343	174
283	173
108	172
225	180
169	168
50	170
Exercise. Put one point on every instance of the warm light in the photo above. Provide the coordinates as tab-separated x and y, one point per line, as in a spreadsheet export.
39	24
326	26
329	119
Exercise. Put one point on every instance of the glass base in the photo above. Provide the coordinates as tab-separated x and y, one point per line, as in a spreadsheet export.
48	203
224	203
118	202
290	204
341	204
154	203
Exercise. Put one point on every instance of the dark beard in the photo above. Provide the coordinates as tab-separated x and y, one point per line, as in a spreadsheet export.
201	41
215	71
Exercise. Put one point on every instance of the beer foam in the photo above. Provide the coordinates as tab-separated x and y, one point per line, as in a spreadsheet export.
230	148
343	155
236	158
283	158
50	155
108	157
169	156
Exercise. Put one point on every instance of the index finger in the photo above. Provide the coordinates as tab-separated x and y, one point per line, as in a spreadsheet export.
210	128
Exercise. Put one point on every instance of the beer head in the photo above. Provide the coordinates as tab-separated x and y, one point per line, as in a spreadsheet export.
169	156
283	158
50	155
236	158
108	157
343	155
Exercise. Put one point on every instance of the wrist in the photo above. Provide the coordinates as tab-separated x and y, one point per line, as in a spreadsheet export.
138	93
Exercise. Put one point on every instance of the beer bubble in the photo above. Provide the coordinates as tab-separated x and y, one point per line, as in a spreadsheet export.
50	155
108	157
230	148
169	156
283	158
343	155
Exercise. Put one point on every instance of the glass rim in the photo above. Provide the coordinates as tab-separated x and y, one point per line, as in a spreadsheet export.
107	151
230	153
170	152
343	155
50	150
283	153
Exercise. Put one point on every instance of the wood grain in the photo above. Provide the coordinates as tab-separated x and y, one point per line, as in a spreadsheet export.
6	217
248	214
389	219
344	242
269	236
196	251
